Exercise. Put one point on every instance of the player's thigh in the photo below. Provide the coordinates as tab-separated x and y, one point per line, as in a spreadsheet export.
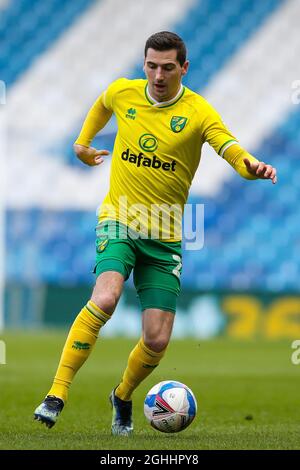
114	250
157	275
115	258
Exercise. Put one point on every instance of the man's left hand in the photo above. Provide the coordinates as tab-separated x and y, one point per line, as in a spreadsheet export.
261	170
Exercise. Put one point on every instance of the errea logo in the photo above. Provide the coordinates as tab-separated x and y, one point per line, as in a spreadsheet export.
131	113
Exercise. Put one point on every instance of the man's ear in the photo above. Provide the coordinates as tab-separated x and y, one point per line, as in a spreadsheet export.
185	67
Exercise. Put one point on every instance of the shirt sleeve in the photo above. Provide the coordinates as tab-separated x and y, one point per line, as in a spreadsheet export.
226	145
96	119
235	157
216	133
99	114
108	96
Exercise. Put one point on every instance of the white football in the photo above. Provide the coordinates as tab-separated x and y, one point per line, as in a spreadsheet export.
170	406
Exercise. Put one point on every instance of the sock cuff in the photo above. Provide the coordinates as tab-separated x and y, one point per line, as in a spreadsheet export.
149	351
97	312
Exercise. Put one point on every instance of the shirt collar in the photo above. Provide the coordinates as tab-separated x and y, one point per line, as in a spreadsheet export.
158	104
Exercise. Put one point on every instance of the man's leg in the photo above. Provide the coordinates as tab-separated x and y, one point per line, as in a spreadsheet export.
156	278
81	339
145	357
157	329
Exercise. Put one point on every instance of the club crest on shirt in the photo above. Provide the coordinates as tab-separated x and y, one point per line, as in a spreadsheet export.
178	123
102	244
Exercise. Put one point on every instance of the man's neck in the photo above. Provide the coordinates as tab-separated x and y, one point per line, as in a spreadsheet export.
165	102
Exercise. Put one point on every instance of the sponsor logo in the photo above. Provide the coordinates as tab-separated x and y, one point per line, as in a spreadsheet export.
131	113
148	142
143	160
79	345
178	123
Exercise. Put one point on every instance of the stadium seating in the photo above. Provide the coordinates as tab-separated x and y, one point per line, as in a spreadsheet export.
251	228
213	30
28	27
251	233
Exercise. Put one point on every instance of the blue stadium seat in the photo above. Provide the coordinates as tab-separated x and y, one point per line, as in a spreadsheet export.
27	27
251	232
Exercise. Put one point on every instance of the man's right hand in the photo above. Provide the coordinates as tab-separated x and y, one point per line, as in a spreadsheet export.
89	155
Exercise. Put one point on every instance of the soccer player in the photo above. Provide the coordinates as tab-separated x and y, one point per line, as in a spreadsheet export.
162	126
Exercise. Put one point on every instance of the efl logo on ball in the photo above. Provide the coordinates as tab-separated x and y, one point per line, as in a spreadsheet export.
170	406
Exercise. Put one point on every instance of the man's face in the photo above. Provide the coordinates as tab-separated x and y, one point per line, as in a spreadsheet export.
164	73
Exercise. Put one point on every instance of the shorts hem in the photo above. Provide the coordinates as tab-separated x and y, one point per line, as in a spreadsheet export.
159	307
124	273
152	286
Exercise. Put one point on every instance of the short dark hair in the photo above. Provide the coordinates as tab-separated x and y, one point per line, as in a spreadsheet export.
164	41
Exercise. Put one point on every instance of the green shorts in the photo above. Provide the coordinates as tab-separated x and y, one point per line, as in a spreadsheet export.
156	264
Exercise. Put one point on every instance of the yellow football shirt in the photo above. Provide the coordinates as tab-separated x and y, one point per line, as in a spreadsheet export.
156	153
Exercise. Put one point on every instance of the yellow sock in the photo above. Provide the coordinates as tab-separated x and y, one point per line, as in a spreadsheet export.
141	363
79	344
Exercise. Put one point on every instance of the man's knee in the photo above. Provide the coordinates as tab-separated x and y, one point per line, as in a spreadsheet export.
157	329
107	301
156	344
107	291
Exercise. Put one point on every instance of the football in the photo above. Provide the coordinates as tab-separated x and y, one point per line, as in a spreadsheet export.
170	406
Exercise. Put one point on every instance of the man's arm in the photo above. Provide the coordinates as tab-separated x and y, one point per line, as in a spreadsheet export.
217	134
97	118
247	165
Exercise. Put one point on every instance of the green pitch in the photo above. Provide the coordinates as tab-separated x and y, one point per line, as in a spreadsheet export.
247	392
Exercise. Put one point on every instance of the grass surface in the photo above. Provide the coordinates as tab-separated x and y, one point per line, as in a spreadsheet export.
247	392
